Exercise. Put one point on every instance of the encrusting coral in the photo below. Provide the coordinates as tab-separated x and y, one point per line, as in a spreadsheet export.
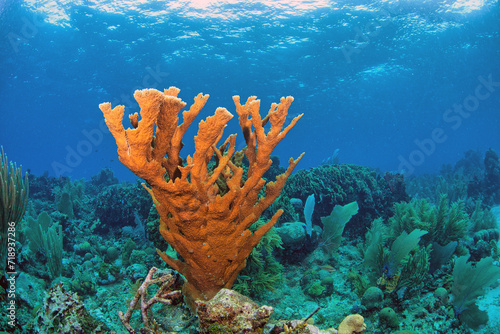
205	204
352	324
231	312
63	312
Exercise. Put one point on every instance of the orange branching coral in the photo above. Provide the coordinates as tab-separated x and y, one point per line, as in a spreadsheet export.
208	227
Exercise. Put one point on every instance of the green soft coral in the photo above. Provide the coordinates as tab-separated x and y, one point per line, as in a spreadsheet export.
262	271
469	283
444	223
316	289
334	224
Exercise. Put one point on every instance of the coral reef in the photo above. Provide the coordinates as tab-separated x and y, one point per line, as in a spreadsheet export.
117	214
64	313
472	178
105	264
342	184
101	267
492	177
230	312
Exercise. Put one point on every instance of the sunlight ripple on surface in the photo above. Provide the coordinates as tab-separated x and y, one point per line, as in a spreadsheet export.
56	11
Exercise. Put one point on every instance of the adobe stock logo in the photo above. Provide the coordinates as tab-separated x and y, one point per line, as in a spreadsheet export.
152	79
84	147
27	31
94	137
453	116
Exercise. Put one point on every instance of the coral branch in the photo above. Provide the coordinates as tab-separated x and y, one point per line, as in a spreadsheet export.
164	295
206	208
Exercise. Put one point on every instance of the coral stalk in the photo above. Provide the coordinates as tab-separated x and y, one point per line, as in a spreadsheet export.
206	205
165	294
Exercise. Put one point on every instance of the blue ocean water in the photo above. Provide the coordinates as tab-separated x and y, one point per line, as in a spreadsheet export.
395	85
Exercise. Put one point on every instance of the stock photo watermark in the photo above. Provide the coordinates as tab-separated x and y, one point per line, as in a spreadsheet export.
28	30
93	138
151	80
11	272
453	117
75	154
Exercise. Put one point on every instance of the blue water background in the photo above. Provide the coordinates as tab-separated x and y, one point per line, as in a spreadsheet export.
373	78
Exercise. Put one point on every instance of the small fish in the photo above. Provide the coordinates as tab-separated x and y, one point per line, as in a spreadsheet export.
327	268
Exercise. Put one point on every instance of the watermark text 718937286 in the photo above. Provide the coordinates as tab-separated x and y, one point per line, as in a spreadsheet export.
11	273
